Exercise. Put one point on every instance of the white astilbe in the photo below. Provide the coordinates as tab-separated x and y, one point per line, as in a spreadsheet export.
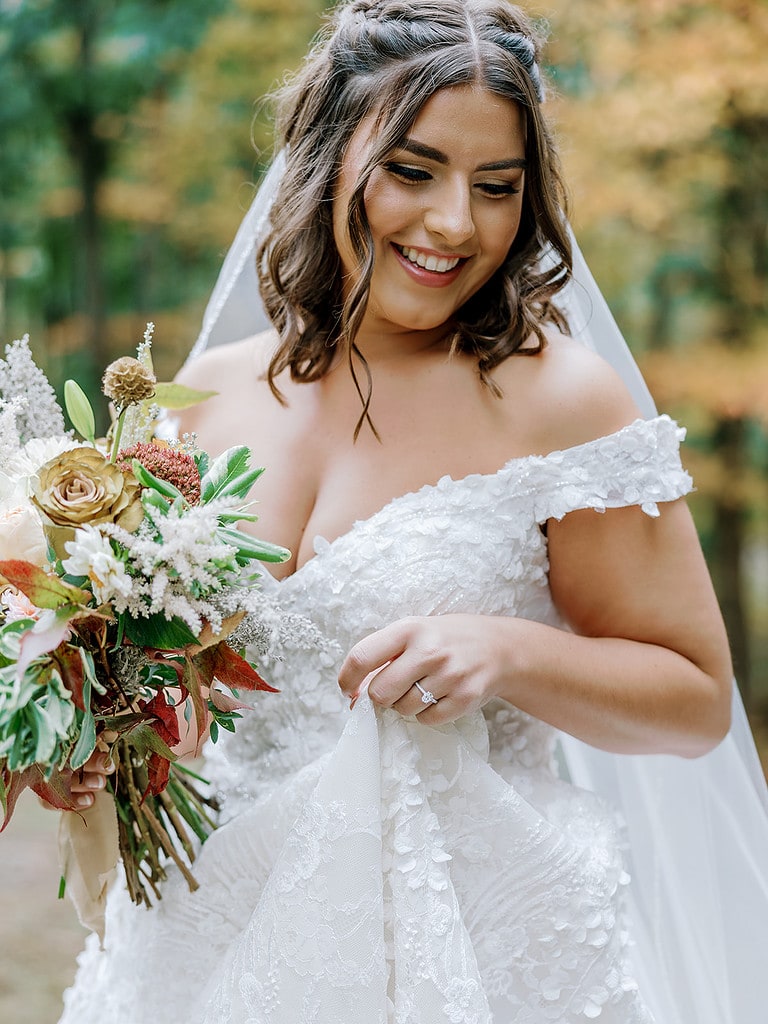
21	377
177	565
10	442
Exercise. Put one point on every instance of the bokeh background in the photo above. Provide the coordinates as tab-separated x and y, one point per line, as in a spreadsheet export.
133	134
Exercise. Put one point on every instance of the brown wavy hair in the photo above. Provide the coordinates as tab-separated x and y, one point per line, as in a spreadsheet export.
386	58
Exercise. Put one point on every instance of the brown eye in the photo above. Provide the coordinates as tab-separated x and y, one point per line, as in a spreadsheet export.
406	173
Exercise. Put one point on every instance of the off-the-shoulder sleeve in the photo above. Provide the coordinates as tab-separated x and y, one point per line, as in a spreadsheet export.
638	465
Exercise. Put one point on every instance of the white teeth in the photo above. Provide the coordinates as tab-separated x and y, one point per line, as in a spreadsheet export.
440	264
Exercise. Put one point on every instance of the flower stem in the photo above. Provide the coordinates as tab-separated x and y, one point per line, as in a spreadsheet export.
117	435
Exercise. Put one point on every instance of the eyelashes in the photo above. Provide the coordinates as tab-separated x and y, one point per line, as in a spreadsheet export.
417	176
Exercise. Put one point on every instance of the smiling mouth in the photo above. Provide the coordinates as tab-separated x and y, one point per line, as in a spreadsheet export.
437	264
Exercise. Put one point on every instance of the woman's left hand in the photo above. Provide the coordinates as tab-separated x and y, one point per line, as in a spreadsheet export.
456	658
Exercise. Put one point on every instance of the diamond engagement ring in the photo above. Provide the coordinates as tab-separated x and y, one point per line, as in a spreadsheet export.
426	696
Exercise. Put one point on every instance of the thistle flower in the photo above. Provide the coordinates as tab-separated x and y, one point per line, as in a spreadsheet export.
167	463
126	381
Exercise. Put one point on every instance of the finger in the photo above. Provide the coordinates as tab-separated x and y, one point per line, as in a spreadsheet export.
396	681
370	654
414	701
99	761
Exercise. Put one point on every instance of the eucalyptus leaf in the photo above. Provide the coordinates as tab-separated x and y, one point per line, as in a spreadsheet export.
176	396
86	741
79	410
45	734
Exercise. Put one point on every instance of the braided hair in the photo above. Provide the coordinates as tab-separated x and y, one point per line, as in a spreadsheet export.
386	58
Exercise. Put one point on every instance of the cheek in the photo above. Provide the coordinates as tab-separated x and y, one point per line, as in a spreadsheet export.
387	209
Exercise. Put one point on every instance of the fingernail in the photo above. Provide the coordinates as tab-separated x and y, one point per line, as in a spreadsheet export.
95	782
84	801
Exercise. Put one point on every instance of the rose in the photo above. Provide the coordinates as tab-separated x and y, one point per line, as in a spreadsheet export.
17	606
80	486
21	535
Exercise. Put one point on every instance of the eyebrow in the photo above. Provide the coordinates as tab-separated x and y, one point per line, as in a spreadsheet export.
419	149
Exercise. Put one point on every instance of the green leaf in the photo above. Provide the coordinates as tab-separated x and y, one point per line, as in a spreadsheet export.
45	740
86	741
176	396
43	591
147	479
241	485
158	632
151	497
251	548
238	517
202	461
226	467
145	741
79	410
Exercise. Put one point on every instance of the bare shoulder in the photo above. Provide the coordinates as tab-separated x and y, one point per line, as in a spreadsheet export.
571	394
225	364
235	373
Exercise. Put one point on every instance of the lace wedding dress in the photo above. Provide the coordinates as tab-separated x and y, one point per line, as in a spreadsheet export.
373	870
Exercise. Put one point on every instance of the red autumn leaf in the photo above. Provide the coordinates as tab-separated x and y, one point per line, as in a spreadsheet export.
225	703
55	791
43	591
166	723
194	682
158	772
72	673
221	662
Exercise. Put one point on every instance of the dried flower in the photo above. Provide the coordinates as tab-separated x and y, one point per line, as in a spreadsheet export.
126	381
167	463
80	486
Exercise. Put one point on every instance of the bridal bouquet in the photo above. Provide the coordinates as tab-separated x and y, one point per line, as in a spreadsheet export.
127	593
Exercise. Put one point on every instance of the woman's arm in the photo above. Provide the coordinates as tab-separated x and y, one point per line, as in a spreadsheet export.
647	669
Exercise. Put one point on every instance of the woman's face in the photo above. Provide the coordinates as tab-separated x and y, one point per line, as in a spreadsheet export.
443	208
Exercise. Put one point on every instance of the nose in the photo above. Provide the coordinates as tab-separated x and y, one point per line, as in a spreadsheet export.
449	214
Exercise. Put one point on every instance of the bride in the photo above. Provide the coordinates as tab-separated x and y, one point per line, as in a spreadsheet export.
493	543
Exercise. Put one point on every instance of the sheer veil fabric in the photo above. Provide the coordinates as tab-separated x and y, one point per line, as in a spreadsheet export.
697	829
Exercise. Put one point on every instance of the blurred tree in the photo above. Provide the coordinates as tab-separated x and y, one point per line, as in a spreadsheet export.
170	99
73	71
667	104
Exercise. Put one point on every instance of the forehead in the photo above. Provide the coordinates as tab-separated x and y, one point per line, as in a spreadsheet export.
468	123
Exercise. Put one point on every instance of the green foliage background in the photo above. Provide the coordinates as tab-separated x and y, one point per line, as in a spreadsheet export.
132	134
